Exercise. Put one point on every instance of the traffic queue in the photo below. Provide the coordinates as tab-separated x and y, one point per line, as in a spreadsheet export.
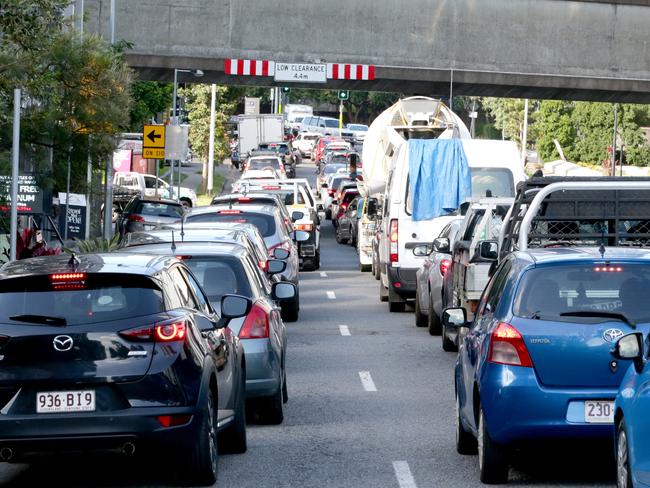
536	285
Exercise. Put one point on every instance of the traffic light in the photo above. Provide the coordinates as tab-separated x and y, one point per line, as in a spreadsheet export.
344	95
286	89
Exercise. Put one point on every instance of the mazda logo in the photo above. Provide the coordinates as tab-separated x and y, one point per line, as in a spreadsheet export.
611	335
62	343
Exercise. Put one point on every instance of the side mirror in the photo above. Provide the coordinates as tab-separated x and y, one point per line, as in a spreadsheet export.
630	346
280	253
234	306
297	215
421	250
300	235
324	185
335	202
283	290
488	250
442	244
454	317
371	207
276	266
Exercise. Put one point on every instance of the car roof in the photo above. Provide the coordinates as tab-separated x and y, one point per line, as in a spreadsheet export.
166	201
260	208
218	248
144	238
578	254
117	262
270	155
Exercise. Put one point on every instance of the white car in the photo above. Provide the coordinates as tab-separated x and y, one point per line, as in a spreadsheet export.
266	162
305	143
150	185
359	132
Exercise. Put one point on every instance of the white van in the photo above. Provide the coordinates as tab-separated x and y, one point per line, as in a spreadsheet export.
495	168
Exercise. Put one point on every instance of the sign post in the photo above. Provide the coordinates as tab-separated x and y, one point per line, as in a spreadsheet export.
15	153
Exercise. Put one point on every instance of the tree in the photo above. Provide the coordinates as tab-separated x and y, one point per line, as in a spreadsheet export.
508	115
149	99
553	121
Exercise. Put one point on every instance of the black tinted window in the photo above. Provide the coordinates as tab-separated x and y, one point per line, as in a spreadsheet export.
219	275
265	223
159	209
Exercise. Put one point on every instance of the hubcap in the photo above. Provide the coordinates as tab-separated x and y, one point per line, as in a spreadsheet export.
622	460
212	436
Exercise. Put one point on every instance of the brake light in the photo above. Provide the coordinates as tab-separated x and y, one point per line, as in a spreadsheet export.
168	331
331	191
256	325
270	188
608	269
344	205
507	347
183	258
263	264
67	277
286	245
306	227
244	199
445	264
135	218
229	212
393	235
173	420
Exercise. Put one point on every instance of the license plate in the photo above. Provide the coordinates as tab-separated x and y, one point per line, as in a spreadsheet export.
599	412
65	401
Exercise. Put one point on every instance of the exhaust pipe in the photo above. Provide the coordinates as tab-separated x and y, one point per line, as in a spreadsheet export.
6	454
128	449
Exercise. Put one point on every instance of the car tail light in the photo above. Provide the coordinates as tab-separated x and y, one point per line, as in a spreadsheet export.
183	258
67	277
344	205
173	420
135	218
331	191
394	256
256	324
244	199
445	264
507	347
270	188
306	227
263	264
229	212
168	331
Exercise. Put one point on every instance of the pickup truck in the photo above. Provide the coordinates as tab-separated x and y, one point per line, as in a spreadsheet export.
146	185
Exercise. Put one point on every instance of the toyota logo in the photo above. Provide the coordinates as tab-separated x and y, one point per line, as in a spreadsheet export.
611	335
62	343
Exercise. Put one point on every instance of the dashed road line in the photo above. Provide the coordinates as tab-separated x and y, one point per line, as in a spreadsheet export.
403	474
323	274
331	295
345	330
366	381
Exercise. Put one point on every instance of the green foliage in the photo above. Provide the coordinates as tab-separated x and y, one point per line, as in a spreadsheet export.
553	121
96	245
508	115
149	99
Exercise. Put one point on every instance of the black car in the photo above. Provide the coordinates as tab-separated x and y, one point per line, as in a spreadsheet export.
119	351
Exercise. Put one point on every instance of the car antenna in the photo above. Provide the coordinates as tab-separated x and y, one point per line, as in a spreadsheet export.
173	242
183	229
74	262
602	249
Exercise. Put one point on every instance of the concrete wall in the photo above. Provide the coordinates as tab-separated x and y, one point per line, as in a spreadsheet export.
567	49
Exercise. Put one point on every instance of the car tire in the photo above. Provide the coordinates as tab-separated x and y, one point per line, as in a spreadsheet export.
395	303
201	460
328	214
433	321
447	344
465	442
233	440
272	408
364	268
492	462
285	390
291	314
375	267
623	471
420	319
317	261
383	292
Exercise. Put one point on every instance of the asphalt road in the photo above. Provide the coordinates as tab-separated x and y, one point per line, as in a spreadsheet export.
370	409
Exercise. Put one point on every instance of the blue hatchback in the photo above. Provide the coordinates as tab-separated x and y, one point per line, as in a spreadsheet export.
535	364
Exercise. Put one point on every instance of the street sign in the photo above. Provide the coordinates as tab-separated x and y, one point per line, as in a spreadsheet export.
344	95
154	136
153	153
301	72
177	141
251	105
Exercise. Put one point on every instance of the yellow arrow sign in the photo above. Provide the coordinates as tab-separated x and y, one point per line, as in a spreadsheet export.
153	153
154	136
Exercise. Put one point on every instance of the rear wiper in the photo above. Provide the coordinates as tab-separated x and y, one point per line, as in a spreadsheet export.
40	319
598	313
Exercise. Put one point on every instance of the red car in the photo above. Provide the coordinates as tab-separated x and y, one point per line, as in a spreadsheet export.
342	203
320	145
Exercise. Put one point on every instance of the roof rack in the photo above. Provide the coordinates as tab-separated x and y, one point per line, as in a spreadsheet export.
578	211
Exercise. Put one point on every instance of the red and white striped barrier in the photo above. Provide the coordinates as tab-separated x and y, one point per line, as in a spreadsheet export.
249	67
338	71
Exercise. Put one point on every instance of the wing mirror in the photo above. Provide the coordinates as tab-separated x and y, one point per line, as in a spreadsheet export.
324	185
234	306
280	253
335	202
300	235
442	244
454	317
283	290
276	266
488	250
297	215
630	346
371	207
421	250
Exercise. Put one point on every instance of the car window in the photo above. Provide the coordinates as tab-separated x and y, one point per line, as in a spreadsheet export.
265	223
475	218
204	304
158	209
494	289
492	182
331	123
187	298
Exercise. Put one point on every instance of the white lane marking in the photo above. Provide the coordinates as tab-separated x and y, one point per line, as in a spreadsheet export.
366	381
345	330
331	295
403	474
323	274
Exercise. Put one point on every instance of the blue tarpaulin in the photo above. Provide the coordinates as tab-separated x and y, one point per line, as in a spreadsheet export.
439	175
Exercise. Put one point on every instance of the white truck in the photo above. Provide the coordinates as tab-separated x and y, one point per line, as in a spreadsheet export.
146	185
295	113
255	129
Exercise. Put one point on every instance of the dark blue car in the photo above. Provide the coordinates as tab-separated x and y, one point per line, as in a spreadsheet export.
535	364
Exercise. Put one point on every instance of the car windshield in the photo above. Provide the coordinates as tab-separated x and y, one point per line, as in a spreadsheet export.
563	292
333	168
310	138
219	275
95	298
159	209
497	181
265	223
339	158
358	127
264	163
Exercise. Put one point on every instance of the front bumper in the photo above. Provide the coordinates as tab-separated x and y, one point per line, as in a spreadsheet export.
402	281
262	368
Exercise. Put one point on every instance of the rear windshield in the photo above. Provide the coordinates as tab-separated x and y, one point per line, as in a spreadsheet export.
331	123
337	181
310	138
333	168
264	163
219	275
349	196
497	181
159	209
97	298
265	223
549	292
339	158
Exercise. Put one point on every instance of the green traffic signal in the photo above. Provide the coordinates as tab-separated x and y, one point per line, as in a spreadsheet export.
286	89
344	95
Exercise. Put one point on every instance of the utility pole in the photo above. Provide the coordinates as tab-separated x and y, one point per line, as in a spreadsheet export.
524	135
213	103
15	160
113	21
613	159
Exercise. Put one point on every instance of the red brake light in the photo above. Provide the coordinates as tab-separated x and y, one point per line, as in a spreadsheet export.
507	347
393	234
173	420
244	199
445	264
305	227
67	277
168	331
264	265
135	218
331	191
229	212
270	188
256	324
183	258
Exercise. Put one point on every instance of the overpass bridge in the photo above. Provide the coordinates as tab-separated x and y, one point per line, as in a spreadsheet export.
563	49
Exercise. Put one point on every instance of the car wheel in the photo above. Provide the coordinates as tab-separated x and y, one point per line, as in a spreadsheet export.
420	318
623	471
290	313
447	344
492	462
395	302
375	264
317	261
285	391
433	321
465	442
200	468
233	440
328	214
383	292
272	408
364	267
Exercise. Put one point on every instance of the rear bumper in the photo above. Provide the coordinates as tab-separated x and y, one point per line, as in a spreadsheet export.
402	281
262	368
519	410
